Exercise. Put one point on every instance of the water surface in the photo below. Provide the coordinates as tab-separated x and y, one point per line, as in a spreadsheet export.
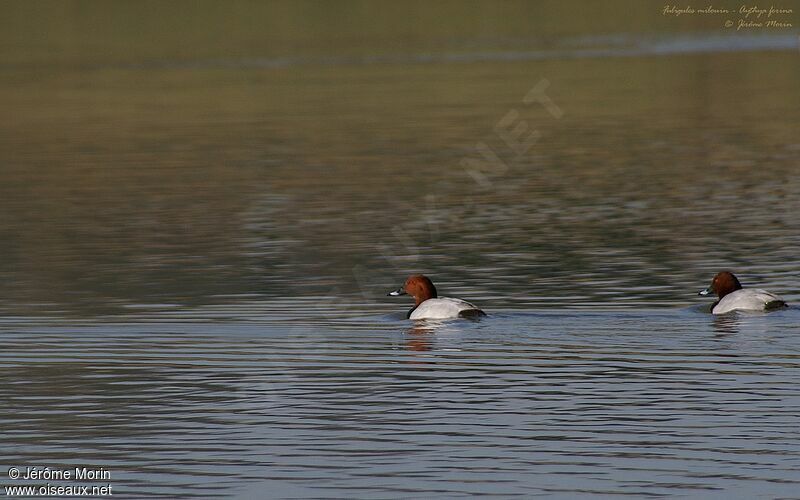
199	226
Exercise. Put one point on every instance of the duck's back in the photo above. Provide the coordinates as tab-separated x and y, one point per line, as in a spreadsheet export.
443	308
748	299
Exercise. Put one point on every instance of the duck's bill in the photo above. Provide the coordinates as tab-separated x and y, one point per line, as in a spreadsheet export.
704	292
397	292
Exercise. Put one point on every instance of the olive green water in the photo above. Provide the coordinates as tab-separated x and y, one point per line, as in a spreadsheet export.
202	206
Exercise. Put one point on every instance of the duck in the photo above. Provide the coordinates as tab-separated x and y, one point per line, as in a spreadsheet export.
428	304
733	297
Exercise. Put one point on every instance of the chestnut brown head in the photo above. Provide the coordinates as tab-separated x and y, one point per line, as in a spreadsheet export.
419	287
722	284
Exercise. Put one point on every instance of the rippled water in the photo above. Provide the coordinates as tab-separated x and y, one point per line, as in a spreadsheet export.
196	241
651	402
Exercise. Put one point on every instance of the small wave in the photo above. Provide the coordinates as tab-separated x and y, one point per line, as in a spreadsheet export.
585	47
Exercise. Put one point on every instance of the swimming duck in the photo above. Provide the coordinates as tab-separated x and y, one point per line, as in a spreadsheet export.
428	305
732	297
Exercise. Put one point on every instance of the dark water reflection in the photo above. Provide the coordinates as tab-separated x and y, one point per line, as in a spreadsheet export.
197	232
123	188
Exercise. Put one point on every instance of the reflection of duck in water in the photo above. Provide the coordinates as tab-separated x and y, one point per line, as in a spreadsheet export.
420	338
428	305
732	297
727	324
428	335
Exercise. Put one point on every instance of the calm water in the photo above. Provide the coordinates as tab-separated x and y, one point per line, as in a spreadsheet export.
199	223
